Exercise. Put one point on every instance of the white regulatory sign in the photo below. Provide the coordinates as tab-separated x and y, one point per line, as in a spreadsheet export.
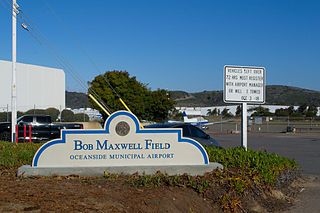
244	84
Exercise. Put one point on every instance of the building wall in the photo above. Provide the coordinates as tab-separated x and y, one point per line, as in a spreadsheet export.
37	87
92	113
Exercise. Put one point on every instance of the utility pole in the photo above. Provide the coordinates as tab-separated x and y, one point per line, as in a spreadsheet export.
14	86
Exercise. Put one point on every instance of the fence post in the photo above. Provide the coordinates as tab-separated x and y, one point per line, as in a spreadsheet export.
30	133
24	133
17	132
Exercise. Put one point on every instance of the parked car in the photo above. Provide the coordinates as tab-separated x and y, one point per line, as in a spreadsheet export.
189	131
42	129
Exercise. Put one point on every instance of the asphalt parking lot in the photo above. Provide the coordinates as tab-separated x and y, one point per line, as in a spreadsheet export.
304	148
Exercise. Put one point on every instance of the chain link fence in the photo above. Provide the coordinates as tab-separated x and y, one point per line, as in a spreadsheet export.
269	125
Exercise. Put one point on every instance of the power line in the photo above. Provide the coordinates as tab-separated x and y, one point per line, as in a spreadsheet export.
45	42
79	46
61	61
85	53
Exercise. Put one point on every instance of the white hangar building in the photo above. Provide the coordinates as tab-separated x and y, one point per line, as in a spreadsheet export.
37	87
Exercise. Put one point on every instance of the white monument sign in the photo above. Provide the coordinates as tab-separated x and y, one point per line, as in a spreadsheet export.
244	84
122	142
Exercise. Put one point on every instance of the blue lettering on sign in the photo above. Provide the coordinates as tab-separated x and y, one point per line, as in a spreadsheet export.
124	146
162	156
126	156
88	157
99	146
117	146
150	145
78	145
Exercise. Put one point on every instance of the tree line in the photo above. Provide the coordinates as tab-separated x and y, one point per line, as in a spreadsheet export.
56	116
304	110
146	104
158	105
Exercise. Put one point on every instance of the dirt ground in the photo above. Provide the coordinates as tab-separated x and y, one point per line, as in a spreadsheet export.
76	194
308	197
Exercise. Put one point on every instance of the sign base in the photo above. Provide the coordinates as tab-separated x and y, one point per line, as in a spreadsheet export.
193	170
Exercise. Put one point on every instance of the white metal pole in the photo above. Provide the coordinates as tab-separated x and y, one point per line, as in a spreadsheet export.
14	86
244	126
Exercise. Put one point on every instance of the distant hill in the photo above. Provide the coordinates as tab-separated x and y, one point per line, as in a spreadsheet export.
276	94
76	100
201	99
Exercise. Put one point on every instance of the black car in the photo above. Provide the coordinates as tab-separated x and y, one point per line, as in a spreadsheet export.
42	129
190	131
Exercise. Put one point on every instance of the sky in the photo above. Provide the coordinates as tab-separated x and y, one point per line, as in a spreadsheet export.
172	44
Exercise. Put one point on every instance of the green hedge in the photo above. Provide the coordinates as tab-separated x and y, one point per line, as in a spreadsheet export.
13	155
260	165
